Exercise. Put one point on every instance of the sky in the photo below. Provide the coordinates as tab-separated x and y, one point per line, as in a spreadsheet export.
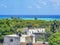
29	7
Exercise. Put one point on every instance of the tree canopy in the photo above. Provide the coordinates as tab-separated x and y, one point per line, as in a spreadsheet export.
9	26
54	39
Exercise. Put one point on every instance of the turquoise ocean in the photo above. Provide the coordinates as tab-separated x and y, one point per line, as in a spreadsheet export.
31	17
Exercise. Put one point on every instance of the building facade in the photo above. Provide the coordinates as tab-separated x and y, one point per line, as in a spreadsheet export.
38	32
12	40
18	40
28	38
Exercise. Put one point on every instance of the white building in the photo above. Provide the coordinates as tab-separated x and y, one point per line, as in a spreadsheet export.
12	40
30	37
17	40
27	38
35	30
38	32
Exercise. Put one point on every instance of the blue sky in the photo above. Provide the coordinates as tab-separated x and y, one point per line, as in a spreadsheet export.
29	7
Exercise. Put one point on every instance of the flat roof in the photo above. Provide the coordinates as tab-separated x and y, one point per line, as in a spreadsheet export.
13	35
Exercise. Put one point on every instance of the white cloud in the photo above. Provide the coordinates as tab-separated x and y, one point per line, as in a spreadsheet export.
41	3
3	0
5	6
37	6
30	7
55	2
56	7
44	3
47	3
34	6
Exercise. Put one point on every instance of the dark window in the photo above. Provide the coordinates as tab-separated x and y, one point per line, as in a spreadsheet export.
11	40
29	44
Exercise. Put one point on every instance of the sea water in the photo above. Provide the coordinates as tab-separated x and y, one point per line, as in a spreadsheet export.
32	17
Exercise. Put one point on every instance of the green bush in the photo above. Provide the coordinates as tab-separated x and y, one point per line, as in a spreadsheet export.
54	39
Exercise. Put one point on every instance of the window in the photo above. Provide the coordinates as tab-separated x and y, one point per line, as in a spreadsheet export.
11	40
29	44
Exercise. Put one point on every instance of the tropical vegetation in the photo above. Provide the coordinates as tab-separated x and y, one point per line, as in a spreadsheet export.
54	39
10	26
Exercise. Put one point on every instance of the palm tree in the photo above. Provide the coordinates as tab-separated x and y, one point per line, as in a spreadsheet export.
35	18
54	26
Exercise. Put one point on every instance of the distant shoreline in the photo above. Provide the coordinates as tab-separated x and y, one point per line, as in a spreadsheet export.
31	17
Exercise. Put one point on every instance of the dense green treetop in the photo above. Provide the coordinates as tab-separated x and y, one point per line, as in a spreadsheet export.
54	39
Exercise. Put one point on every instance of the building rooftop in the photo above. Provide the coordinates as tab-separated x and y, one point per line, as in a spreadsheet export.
14	35
24	35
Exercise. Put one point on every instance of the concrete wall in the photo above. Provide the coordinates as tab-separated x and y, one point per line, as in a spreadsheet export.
27	39
22	39
7	41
